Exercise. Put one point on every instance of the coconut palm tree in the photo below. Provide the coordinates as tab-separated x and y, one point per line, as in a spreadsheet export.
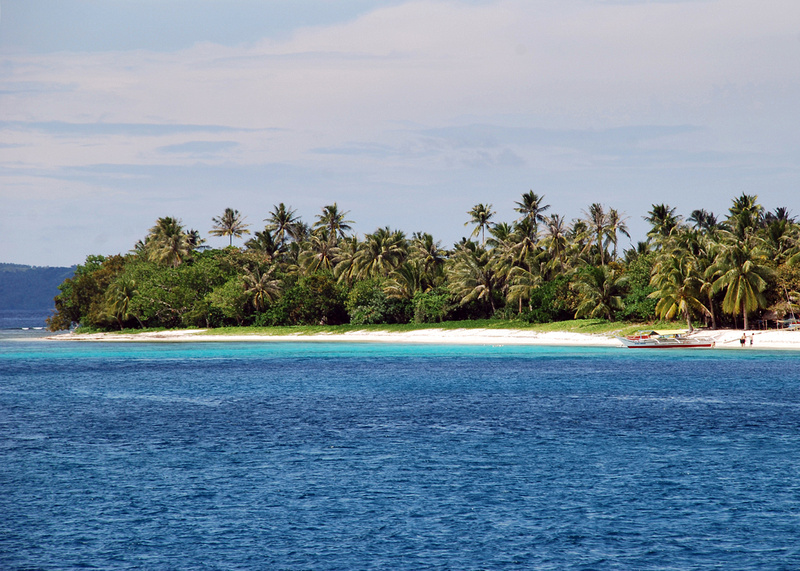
703	220
319	253
264	243
740	271
579	241
283	223
381	252
641	249
781	213
429	256
677	277
406	280
663	221
532	210
167	243
597	223
522	283
333	221
196	242
499	234
780	235
118	298
599	292
471	275
230	224
745	215
556	240
261	286
480	215
615	225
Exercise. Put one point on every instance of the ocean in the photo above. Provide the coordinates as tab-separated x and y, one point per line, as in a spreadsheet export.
24	318
374	456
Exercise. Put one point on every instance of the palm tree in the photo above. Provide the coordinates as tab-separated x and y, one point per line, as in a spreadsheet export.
532	209
663	221
406	280
679	286
597	222
429	255
740	270
196	242
346	268
261	286
282	222
703	220
599	292
167	243
641	249
522	283
230	224
578	241
556	240
615	225
781	213
471	275
319	253
499	234
780	235
523	243
118	298
264	243
745	215
333	221
480	216
382	252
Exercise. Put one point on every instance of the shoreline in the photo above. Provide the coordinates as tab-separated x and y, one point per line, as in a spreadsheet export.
725	339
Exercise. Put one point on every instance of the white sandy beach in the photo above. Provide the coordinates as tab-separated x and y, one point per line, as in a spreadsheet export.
725	339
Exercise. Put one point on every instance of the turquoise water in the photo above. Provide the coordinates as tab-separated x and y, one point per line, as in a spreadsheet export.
361	456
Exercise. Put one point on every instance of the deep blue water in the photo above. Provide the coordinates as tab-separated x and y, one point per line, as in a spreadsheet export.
334	456
23	318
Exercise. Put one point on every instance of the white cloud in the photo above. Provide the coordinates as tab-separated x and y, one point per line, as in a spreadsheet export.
367	92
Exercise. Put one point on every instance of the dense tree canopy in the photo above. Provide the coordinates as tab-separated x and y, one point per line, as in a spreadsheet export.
539	267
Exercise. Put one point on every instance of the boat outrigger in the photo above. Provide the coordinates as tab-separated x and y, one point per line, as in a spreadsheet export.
665	339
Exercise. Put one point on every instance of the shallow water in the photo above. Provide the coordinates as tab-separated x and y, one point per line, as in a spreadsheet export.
357	456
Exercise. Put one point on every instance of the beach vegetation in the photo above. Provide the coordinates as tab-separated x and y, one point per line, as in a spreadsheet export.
539	269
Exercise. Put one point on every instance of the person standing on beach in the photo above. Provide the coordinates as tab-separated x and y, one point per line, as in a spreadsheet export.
743	339
751	338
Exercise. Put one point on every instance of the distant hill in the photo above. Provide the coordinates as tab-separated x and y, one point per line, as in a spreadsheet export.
29	287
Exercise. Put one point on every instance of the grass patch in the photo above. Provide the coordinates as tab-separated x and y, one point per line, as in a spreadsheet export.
589	326
86	330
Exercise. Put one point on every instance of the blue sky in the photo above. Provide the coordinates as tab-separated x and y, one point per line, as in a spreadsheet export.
115	112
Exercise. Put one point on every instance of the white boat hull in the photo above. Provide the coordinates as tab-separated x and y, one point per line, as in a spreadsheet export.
667	343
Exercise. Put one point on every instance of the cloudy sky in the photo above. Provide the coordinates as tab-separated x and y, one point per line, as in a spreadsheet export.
114	113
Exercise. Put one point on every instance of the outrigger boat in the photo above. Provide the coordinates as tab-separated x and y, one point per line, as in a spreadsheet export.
665	340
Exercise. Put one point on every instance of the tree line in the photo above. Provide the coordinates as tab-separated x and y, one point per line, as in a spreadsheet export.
538	268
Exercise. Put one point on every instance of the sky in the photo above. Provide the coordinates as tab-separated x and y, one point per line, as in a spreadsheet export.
114	113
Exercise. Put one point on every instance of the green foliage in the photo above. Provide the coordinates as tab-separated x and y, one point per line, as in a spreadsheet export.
549	302
599	289
432	306
314	299
368	304
638	305
82	298
230	300
286	274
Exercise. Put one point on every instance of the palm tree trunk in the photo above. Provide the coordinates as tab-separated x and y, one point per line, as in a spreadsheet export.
744	312
711	310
